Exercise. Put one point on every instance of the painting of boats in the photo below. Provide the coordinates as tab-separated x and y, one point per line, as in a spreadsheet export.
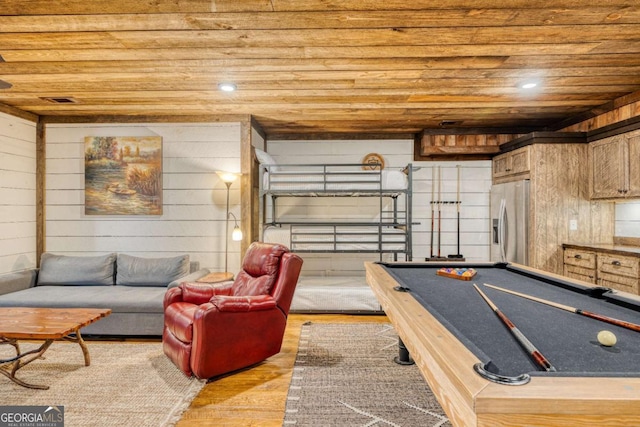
115	188
123	175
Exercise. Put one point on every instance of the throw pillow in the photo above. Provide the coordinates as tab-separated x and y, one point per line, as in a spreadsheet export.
76	270
265	159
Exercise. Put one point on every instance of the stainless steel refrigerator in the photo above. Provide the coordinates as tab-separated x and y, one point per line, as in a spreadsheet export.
510	222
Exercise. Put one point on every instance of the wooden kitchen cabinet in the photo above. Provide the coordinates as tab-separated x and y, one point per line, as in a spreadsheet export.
634	166
603	268
513	165
559	206
580	264
614	167
619	272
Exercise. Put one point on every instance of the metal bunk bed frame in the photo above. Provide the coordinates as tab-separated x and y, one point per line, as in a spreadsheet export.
331	180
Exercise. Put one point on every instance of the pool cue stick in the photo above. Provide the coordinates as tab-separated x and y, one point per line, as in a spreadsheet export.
602	318
533	352
458	208
458	255
439	209
433	194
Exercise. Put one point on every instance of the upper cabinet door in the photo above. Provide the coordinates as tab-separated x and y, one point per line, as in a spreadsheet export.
634	166
521	160
512	166
607	168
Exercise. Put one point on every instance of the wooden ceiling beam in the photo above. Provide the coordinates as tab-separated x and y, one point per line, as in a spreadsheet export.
338	52
467	17
374	107
267	64
310	38
439	112
81	7
299	96
185	82
586	62
462	68
618	102
11	110
296	5
144	118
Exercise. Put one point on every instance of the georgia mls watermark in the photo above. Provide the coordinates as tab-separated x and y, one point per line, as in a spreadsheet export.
31	416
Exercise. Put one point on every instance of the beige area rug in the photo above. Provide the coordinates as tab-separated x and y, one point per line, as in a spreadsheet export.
127	384
344	375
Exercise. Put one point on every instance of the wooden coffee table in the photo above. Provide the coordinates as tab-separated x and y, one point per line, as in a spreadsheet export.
42	324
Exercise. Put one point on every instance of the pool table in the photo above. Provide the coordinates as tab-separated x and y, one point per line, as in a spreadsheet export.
448	329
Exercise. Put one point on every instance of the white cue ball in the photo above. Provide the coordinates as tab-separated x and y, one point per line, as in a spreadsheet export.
607	338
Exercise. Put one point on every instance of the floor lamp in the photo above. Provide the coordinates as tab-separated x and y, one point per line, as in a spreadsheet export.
228	178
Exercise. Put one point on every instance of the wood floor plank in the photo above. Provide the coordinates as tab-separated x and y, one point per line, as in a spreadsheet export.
257	396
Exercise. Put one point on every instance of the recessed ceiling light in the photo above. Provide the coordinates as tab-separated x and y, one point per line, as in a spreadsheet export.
528	85
227	87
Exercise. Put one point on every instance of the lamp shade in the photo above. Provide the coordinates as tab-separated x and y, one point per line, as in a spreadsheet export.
236	235
227	177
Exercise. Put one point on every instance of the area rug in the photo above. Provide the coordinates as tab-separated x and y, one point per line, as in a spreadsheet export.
127	384
344	375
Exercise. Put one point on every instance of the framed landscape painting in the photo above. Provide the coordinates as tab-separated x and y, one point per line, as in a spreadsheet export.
123	175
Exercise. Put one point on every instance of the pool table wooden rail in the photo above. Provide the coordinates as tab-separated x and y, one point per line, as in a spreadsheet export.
470	400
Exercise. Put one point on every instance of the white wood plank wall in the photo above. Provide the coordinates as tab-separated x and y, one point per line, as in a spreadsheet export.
474	212
194	198
17	194
628	219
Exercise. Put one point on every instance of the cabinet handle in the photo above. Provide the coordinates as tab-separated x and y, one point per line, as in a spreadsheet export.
507	170
577	256
616	263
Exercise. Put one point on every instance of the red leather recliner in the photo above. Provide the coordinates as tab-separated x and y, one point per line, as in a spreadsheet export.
211	330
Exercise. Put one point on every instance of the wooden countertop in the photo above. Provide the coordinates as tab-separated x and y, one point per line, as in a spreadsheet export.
608	248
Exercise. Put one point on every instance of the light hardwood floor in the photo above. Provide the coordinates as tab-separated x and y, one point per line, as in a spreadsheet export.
257	396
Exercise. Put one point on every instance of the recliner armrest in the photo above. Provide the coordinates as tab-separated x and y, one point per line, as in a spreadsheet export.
200	293
191	277
171	296
243	303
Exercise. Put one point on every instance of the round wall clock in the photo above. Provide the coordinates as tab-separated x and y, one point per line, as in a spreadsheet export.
372	161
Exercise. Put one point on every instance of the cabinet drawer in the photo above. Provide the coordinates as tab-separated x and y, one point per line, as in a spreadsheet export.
580	273
619	265
580	258
626	284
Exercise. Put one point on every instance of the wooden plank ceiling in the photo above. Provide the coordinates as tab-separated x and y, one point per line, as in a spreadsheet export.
323	66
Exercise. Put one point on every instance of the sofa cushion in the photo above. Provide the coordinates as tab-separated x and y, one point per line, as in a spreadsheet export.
136	271
120	299
76	270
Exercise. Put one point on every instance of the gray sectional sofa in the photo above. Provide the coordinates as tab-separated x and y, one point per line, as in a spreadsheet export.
132	287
